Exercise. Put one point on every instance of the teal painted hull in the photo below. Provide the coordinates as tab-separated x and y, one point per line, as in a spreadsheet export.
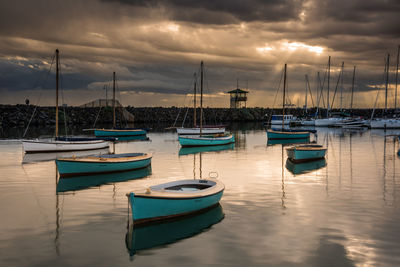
118	133
287	135
305	155
300	168
187	141
201	149
83	182
154	235
71	168
147	207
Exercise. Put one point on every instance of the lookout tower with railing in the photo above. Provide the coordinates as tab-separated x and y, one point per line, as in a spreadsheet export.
238	98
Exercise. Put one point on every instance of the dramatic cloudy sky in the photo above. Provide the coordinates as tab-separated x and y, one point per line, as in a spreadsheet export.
155	47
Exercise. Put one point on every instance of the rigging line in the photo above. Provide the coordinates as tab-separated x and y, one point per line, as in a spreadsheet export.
184	101
337	85
62	97
379	89
40	96
309	89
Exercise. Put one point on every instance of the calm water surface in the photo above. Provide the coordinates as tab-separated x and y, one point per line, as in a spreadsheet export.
340	212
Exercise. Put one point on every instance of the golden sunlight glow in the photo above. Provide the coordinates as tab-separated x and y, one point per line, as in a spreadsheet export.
264	49
295	46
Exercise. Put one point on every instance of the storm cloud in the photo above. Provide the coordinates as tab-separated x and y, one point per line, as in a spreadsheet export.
156	46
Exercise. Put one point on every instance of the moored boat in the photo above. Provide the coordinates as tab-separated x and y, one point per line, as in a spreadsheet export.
102	164
119	132
205	130
174	199
206	140
287	134
303	153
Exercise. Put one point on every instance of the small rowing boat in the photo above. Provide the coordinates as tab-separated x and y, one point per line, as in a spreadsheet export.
74	166
303	153
174	199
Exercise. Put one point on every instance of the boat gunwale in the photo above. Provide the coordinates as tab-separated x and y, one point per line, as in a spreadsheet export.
99	159
208	138
121	130
88	174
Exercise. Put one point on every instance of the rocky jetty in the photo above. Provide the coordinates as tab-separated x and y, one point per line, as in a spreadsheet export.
20	115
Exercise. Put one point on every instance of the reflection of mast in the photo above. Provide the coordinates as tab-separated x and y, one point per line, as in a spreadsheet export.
351	160
201	176
57	237
283	184
384	170
194	166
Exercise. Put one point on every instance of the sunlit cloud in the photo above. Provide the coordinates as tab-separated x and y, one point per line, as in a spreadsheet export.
294	46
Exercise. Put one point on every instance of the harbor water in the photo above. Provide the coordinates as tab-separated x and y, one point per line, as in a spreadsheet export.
341	211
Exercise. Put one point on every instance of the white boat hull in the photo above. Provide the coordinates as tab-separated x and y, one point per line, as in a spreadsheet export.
51	145
307	122
279	122
385	124
327	122
216	130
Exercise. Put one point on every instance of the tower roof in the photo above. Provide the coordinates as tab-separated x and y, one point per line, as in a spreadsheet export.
237	90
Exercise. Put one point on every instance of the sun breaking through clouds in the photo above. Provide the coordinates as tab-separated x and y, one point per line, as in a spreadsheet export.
156	46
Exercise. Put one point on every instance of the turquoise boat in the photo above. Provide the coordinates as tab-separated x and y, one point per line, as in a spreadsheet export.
67	184
283	134
303	153
305	167
102	164
174	199
200	149
118	132
154	235
206	140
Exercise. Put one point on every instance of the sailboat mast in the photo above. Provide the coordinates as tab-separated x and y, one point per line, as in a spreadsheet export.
329	75
341	89
283	101
114	99
305	102
352	90
194	101
57	74
201	98
397	75
387	81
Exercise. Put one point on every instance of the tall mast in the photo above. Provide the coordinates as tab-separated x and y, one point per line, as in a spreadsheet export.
319	93
305	102
387	81
57	73
201	97
114	99
194	101
397	75
283	101
329	75
341	89
352	90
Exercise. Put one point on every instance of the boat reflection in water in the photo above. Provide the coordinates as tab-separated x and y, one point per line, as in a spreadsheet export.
39	157
82	182
133	138
159	234
287	141
300	168
194	150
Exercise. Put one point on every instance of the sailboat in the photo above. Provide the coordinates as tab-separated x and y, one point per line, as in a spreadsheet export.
387	123
207	129
329	120
62	143
205	140
117	132
286	133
